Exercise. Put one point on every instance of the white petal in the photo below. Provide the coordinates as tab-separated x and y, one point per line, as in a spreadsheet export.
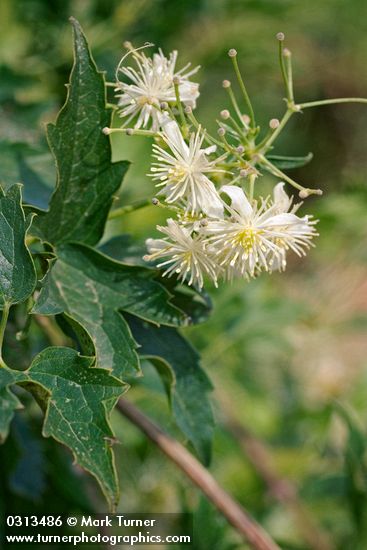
155	244
284	220
208	198
239	201
210	149
172	130
281	199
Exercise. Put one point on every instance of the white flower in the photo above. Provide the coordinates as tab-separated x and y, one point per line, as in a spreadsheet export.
256	237
150	85
187	256
181	172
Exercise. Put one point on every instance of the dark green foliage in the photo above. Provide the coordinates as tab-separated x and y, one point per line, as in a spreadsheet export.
87	293
18	276
186	383
286	163
86	177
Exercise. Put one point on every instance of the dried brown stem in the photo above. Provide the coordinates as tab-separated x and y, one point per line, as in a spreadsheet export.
283	490
252	532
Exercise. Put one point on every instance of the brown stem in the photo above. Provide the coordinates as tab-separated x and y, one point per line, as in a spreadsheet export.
232	511
283	490
255	450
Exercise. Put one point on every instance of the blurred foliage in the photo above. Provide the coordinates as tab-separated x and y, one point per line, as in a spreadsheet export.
281	350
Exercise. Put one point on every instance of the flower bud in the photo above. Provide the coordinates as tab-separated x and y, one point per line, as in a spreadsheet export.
188	110
274	123
240	149
280	36
106	130
232	52
286	52
221	132
164	105
246	119
155	201
176	80
226	84
204	222
129	131
225	114
303	194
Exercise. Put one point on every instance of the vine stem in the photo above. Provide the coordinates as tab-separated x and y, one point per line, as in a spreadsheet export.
264	146
290	77
179	104
253	533
243	89
128	131
331	102
276	172
3	323
118	212
207	137
282	67
234	103
251	187
296	108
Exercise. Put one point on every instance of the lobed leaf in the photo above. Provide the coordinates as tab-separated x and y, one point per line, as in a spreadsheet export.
92	289
31	165
17	272
9	403
124	249
78	400
196	305
28	476
86	178
186	383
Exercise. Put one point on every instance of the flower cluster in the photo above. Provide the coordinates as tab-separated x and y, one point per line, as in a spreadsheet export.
242	241
150	84
217	229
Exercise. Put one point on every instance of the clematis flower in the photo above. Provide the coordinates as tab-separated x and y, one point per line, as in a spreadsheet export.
257	236
181	171
186	254
151	83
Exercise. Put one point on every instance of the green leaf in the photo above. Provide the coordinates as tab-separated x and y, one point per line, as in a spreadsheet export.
86	179
196	305
186	383
30	165
81	400
9	404
28	475
78	400
286	163
93	289
17	272
124	249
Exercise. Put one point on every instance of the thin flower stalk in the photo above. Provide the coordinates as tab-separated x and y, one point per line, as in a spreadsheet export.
218	230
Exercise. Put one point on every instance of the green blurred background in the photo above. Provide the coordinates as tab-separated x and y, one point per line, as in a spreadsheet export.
287	352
